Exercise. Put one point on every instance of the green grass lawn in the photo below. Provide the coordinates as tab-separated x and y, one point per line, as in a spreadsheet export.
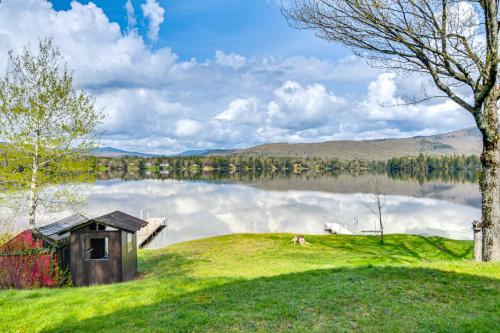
264	283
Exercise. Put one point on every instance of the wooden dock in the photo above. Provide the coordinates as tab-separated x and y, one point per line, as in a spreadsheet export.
337	228
148	233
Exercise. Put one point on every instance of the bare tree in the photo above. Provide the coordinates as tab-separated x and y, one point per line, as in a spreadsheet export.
454	43
376	206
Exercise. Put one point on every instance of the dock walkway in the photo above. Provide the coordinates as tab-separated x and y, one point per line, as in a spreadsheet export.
149	232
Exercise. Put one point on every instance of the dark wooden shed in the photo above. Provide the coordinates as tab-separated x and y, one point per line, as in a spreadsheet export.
104	249
99	250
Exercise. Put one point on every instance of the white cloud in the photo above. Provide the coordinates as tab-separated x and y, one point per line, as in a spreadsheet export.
157	103
155	14
298	107
94	47
131	19
383	106
241	110
138	113
187	127
232	60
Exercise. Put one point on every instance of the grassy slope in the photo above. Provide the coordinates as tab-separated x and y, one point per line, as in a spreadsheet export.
466	141
265	283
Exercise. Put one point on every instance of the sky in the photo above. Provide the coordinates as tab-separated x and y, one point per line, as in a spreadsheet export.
174	75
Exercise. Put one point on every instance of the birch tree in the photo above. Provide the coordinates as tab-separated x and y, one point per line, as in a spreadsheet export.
454	43
46	125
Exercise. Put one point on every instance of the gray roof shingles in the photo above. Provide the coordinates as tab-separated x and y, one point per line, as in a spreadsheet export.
119	220
62	226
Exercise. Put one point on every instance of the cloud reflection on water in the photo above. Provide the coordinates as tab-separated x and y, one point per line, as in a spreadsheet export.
201	209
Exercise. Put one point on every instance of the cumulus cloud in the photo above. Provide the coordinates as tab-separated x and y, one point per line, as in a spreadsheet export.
187	127
241	110
300	108
131	19
383	106
157	103
155	14
232	60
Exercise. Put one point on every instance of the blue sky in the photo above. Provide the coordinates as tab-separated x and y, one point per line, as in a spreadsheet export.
173	75
197	28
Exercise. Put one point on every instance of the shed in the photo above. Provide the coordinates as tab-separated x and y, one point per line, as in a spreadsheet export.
99	250
104	249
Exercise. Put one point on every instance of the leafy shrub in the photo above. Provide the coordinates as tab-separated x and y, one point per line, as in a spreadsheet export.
25	263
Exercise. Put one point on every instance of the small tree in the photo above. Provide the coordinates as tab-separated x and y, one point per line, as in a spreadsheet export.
376	206
45	126
454	43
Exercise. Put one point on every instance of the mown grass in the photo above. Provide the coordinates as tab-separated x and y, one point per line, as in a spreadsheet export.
264	283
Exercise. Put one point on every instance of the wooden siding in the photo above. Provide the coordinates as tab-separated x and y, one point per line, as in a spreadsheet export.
129	256
96	271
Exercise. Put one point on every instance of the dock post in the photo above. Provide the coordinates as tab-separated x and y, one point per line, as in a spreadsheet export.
478	241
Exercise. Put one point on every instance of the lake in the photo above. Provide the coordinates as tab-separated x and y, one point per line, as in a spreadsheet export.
293	203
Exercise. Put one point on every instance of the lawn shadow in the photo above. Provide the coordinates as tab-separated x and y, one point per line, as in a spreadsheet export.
439	243
363	299
395	250
392	249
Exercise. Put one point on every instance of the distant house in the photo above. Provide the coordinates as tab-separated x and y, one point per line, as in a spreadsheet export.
297	168
99	250
207	167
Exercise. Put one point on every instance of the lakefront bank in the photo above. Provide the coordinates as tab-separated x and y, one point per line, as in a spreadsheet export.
252	282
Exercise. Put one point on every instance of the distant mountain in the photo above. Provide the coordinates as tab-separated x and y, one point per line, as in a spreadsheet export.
207	152
115	152
466	141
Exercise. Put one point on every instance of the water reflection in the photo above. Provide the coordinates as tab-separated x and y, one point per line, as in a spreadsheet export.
297	204
197	209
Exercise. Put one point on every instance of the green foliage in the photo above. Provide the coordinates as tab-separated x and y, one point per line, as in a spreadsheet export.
429	164
5	237
422	165
46	125
264	283
62	277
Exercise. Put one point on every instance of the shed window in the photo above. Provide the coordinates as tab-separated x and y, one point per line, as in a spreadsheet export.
96	248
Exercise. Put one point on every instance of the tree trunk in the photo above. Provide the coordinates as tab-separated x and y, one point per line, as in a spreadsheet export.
381	225
490	181
33	188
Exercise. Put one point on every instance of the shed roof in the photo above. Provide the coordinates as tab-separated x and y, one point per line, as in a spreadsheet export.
58	230
118	220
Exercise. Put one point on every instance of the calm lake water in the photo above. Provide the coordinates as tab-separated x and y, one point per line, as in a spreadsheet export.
295	204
